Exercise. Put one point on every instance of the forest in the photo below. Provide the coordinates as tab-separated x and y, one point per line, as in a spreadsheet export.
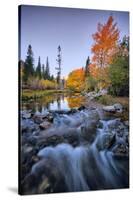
107	69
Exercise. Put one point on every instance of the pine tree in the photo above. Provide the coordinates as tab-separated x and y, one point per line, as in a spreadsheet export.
43	71
38	69
119	70
87	67
52	78
29	64
47	71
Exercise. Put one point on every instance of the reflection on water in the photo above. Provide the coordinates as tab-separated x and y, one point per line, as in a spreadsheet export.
54	102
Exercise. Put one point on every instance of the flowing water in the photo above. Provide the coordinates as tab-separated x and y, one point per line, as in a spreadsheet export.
81	151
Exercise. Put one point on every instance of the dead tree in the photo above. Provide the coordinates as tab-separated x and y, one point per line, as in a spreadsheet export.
59	68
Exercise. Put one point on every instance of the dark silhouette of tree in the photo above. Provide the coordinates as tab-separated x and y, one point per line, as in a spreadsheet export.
43	71
87	67
38	69
29	64
59	67
51	77
47	71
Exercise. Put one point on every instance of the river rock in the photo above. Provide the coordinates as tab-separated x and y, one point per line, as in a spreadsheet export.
60	112
28	149
95	94
27	152
28	126
50	117
121	150
32	140
109	108
114	108
126	123
38	119
81	108
93	115
88	130
105	141
26	115
73	110
113	124
118	107
45	125
100	124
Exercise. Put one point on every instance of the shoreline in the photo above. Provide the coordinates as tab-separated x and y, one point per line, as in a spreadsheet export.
104	100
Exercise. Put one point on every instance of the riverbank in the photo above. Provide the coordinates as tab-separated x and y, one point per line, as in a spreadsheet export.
110	100
74	100
28	94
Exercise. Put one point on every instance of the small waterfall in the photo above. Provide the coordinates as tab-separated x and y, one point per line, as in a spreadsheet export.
69	161
80	168
88	166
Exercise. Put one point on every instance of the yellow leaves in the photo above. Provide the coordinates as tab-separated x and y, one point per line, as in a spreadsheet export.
47	84
101	75
76	80
42	84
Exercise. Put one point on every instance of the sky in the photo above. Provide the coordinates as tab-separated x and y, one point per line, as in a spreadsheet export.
45	28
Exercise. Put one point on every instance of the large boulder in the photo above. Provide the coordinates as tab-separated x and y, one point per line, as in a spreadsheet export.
113	108
118	107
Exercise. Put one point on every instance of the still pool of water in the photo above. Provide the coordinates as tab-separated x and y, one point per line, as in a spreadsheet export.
54	102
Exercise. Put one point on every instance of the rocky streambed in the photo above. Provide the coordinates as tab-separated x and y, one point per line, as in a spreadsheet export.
73	150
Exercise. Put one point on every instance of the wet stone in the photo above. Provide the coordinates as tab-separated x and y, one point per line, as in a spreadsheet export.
26	115
121	149
38	119
126	123
27	125
45	125
106	141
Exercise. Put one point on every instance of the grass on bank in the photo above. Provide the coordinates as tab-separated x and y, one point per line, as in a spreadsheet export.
28	94
110	100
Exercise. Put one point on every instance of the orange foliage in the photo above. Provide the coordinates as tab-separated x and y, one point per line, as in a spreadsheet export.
75	102
76	80
106	39
101	75
93	70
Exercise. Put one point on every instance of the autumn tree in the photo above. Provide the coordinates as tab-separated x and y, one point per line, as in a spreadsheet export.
76	80
105	42
21	65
